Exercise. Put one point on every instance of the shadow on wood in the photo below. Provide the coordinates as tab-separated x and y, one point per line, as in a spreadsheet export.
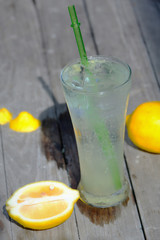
51	142
101	216
58	140
70	147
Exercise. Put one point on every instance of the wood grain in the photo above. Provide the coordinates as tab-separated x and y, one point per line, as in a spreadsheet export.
35	43
5	226
87	228
121	36
148	19
58	38
22	63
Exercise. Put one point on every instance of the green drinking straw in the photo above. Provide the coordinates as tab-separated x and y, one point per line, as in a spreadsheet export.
97	124
77	32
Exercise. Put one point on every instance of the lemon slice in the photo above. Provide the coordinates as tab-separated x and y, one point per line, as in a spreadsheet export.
5	116
24	122
42	205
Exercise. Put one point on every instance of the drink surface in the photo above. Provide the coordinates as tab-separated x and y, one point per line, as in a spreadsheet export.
99	75
97	105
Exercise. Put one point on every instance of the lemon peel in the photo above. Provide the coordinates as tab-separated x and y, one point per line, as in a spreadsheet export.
24	122
5	116
42	205
143	126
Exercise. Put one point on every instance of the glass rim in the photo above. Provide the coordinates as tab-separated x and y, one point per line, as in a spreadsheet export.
78	60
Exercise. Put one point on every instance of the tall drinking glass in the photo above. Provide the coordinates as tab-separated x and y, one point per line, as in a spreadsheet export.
97	98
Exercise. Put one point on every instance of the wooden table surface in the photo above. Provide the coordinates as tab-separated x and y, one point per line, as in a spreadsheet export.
36	41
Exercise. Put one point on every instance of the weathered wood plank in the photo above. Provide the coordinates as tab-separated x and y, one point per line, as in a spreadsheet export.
5	227
63	48
59	42
22	63
120	36
148	18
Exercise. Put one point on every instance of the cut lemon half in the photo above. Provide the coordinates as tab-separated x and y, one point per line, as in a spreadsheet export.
42	205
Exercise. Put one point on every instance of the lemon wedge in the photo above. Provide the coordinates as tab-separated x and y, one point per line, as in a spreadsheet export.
24	122
5	116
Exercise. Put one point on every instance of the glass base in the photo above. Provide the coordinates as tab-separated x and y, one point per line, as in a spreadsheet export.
104	201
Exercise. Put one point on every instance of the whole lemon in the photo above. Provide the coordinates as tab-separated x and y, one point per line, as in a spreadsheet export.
143	126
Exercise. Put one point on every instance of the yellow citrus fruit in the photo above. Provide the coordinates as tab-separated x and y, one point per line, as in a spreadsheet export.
42	205
5	116
24	122
143	126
